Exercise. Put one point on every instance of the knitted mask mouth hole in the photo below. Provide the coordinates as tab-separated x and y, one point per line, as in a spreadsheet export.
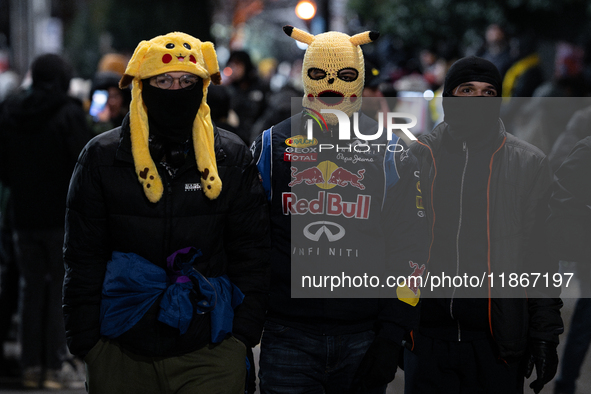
330	97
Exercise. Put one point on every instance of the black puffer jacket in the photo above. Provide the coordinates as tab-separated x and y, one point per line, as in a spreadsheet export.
517	197
107	211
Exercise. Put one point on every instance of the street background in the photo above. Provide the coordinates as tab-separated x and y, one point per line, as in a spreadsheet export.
418	40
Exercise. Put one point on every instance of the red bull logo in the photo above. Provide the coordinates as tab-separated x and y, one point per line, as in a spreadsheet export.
342	177
327	175
330	203
417	272
310	176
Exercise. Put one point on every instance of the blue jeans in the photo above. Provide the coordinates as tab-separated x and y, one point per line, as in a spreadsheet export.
293	361
579	335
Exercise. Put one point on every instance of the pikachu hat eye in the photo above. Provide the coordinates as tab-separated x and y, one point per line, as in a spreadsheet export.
187	46
170	45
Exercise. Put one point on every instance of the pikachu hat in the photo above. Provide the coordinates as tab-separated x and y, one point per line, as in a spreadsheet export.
172	52
333	70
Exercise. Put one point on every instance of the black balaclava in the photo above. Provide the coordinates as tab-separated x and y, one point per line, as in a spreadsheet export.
471	118
171	113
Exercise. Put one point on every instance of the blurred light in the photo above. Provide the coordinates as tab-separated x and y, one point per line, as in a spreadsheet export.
301	45
428	95
305	10
218	30
227	71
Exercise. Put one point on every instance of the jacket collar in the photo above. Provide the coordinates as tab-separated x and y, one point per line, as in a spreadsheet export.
434	139
124	148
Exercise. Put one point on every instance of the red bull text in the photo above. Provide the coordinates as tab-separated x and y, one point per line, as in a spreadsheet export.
330	203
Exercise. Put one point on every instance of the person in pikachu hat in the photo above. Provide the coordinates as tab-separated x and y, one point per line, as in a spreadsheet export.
166	281
340	211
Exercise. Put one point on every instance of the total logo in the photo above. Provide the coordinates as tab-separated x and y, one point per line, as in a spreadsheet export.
327	175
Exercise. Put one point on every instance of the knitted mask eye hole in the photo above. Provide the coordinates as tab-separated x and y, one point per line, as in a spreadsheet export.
316	73
170	45
187	46
348	74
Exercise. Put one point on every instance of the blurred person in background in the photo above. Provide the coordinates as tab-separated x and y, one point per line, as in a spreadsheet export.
377	103
284	87
9	276
9	287
108	103
541	119
248	93
569	228
448	53
496	48
428	58
218	97
525	74
523	77
577	128
42	131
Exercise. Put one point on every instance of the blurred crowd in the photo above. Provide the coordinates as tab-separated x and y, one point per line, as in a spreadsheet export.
256	94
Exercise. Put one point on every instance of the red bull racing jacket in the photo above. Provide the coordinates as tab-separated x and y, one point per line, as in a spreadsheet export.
347	221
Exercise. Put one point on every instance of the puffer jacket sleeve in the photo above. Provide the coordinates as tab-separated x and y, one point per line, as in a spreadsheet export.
248	246
569	222
85	254
544	303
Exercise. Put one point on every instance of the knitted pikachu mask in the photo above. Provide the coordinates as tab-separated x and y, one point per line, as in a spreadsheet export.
172	52
333	70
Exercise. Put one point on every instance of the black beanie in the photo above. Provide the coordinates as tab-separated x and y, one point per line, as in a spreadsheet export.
51	72
472	68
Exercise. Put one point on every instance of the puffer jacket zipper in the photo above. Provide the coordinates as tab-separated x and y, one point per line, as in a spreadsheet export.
168	213
451	303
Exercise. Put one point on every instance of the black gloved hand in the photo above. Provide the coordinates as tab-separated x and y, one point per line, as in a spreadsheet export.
378	365
544	357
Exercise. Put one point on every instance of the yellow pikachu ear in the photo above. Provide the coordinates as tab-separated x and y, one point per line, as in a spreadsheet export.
298	34
134	64
211	62
364	38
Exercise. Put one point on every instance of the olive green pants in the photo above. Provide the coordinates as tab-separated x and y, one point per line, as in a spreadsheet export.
219	369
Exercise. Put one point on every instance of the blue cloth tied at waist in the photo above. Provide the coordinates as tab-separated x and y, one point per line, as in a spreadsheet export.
132	284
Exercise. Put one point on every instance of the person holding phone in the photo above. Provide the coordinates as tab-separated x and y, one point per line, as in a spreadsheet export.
109	103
